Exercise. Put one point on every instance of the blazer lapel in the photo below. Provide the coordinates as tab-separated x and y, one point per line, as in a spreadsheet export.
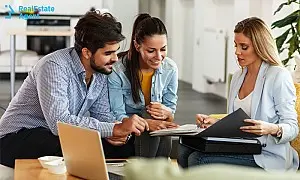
259	86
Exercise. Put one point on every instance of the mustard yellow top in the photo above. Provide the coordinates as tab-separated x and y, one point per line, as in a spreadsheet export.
146	81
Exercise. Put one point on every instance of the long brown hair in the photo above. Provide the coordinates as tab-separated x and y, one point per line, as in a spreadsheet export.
144	26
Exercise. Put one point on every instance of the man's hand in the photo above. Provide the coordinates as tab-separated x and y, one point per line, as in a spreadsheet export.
117	141
159	111
157	124
134	124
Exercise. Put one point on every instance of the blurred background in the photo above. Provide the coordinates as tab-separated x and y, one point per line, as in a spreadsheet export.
200	40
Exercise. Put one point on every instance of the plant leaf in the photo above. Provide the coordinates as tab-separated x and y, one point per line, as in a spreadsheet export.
280	7
281	39
292	18
298	32
293	41
298	25
281	50
295	33
283	4
285	61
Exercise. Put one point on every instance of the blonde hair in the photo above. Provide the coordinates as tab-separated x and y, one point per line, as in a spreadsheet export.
260	35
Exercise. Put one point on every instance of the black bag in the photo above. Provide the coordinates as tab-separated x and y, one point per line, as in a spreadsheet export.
222	145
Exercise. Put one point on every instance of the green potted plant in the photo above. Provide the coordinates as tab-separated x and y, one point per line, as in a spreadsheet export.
290	40
291	37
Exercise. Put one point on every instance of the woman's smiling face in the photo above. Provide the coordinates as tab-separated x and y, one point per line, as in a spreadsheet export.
152	51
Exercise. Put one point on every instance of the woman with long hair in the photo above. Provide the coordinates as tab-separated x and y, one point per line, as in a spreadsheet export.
144	82
265	91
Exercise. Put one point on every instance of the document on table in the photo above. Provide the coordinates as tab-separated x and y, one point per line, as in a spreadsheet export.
187	129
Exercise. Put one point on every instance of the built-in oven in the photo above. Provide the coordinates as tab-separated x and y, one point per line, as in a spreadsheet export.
46	44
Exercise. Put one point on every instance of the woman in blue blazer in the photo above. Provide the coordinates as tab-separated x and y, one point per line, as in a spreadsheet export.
265	91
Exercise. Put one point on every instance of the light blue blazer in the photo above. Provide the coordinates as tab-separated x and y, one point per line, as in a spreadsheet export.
273	100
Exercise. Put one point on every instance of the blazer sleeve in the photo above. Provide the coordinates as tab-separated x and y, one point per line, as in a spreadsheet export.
284	95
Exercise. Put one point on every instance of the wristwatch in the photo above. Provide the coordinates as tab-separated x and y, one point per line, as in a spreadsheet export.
279	132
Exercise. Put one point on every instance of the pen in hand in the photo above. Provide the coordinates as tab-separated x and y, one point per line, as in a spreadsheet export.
198	126
204	121
200	120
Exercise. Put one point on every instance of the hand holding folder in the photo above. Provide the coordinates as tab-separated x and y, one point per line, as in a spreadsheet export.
225	136
227	127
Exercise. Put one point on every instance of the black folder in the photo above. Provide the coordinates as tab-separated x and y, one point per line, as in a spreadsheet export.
229	126
228	137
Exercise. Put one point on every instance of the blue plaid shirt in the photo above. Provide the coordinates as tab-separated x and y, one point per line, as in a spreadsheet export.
55	90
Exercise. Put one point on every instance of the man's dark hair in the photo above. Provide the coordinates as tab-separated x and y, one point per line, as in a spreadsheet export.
94	30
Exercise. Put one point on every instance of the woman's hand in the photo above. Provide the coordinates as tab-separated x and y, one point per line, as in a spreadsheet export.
204	121
157	124
260	127
159	111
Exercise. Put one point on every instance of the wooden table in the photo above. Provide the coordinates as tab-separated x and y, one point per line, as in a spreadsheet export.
32	169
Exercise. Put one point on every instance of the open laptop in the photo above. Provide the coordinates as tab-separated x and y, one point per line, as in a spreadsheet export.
83	152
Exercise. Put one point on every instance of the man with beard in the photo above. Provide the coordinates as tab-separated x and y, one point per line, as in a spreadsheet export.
70	86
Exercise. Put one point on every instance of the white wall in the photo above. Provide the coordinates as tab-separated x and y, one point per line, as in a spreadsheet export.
185	21
126	16
180	22
188	38
215	14
174	25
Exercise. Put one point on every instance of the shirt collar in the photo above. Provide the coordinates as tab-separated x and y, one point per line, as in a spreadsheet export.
77	65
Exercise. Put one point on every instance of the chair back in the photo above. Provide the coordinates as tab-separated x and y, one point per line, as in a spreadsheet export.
296	142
